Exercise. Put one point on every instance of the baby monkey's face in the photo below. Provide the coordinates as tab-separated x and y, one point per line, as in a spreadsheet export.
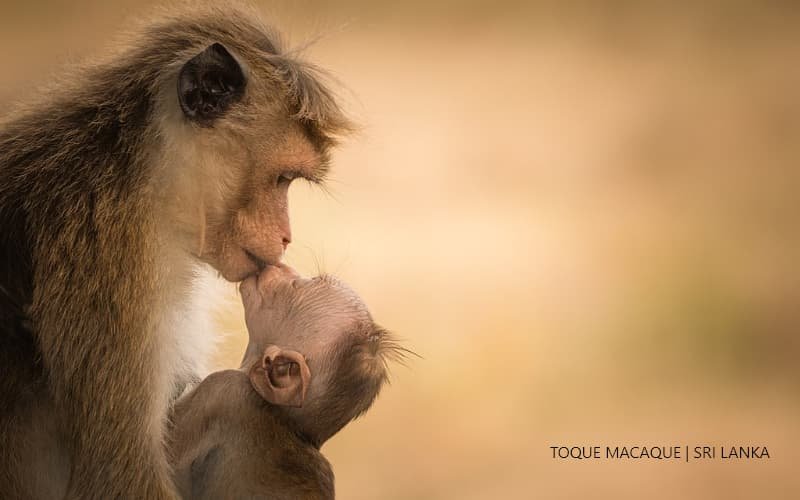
314	349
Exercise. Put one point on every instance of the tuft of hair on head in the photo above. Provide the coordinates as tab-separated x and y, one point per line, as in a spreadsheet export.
315	105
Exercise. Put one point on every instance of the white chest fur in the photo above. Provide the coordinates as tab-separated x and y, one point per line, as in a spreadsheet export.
187	334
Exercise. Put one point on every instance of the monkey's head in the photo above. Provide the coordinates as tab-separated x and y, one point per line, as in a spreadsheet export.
238	120
314	351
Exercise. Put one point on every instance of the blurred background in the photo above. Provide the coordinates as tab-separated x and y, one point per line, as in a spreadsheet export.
582	215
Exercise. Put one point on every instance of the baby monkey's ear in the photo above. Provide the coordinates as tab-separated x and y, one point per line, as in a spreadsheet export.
282	378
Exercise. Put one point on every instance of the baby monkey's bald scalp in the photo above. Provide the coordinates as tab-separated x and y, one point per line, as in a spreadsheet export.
317	327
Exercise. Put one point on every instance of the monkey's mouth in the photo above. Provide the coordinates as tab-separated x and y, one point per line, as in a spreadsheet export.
258	261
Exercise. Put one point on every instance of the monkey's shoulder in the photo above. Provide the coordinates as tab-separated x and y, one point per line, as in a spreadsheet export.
213	398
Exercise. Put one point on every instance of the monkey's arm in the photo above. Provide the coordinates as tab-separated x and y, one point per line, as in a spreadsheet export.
92	303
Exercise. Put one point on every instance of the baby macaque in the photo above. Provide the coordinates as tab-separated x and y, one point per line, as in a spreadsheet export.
315	361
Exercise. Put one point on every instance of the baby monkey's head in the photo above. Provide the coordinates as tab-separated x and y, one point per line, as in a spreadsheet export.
314	351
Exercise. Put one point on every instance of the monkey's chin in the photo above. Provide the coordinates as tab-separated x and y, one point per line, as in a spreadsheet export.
240	276
236	274
236	269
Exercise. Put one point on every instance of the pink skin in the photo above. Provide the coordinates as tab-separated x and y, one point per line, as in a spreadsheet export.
312	342
304	314
312	316
254	286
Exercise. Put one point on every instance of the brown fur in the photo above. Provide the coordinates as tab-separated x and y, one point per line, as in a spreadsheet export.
227	443
106	195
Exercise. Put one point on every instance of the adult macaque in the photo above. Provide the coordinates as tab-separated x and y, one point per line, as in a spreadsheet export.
118	187
314	362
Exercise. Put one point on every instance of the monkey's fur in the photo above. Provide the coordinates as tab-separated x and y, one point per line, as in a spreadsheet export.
315	360
113	197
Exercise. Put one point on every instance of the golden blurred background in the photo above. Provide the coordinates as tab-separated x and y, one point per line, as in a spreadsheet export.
582	215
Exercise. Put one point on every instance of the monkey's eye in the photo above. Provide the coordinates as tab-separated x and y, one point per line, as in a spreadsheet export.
286	178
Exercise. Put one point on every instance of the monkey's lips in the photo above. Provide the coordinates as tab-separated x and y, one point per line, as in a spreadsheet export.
272	275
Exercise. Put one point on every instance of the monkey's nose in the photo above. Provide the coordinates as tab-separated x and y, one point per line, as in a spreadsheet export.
286	241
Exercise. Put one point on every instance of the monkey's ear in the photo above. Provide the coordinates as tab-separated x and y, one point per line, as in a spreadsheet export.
282	378
209	83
